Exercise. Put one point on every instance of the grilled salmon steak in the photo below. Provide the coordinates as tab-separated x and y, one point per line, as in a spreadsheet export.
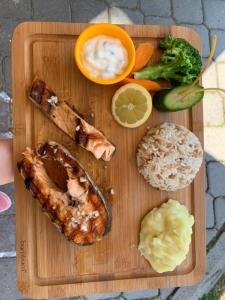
66	192
69	121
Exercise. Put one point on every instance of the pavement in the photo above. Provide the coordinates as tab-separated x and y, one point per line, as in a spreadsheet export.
204	16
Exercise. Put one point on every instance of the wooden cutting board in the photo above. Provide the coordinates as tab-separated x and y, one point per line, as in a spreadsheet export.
47	264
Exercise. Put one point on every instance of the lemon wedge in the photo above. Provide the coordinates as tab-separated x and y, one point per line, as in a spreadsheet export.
131	105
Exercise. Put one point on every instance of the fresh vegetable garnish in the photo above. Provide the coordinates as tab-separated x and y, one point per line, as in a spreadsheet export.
174	100
148	84
180	63
187	96
131	105
180	97
144	52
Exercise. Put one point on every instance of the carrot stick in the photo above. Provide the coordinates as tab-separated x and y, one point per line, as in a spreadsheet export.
143	53
148	84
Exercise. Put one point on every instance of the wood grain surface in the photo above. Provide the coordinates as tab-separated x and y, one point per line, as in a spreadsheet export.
47	264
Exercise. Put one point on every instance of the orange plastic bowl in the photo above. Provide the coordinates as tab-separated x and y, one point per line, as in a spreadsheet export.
110	30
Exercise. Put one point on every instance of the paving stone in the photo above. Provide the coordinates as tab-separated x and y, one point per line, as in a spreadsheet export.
8	134
6	29
213	108
215	141
214	12
204	34
86	10
8	280
219	54
215	269
102	296
210	233
1	72
4	105
4	98
206	180
164	293
188	11
7	86
125	16
216	175
51	10
145	294
221	94
5	122
103	17
7	233
209	157
9	190
123	3
159	20
10	9
159	8
5	118
93	297
116	15
209	211
71	298
7	254
204	59
220	212
221	80
209	78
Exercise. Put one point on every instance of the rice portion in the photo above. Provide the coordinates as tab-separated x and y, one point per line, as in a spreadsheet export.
169	156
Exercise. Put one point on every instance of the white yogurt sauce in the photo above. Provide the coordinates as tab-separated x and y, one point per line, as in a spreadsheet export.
104	57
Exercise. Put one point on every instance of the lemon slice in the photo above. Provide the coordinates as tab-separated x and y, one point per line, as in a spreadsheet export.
131	105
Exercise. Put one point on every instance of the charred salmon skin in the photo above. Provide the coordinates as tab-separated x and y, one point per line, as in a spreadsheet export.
66	192
70	122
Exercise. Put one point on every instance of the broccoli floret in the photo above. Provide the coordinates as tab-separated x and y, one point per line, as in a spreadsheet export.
180	63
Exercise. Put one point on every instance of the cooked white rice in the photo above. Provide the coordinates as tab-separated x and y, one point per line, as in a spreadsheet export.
169	156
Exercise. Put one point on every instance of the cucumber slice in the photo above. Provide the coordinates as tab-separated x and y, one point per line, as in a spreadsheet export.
174	100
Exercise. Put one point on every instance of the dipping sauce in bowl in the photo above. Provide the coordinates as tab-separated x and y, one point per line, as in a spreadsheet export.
104	56
104	53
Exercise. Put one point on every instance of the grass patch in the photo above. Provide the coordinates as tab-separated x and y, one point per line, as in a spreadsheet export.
217	291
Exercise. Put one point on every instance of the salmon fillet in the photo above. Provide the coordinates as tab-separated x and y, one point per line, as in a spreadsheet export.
70	122
66	192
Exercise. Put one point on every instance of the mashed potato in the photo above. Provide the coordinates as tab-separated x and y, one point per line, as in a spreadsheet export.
166	235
